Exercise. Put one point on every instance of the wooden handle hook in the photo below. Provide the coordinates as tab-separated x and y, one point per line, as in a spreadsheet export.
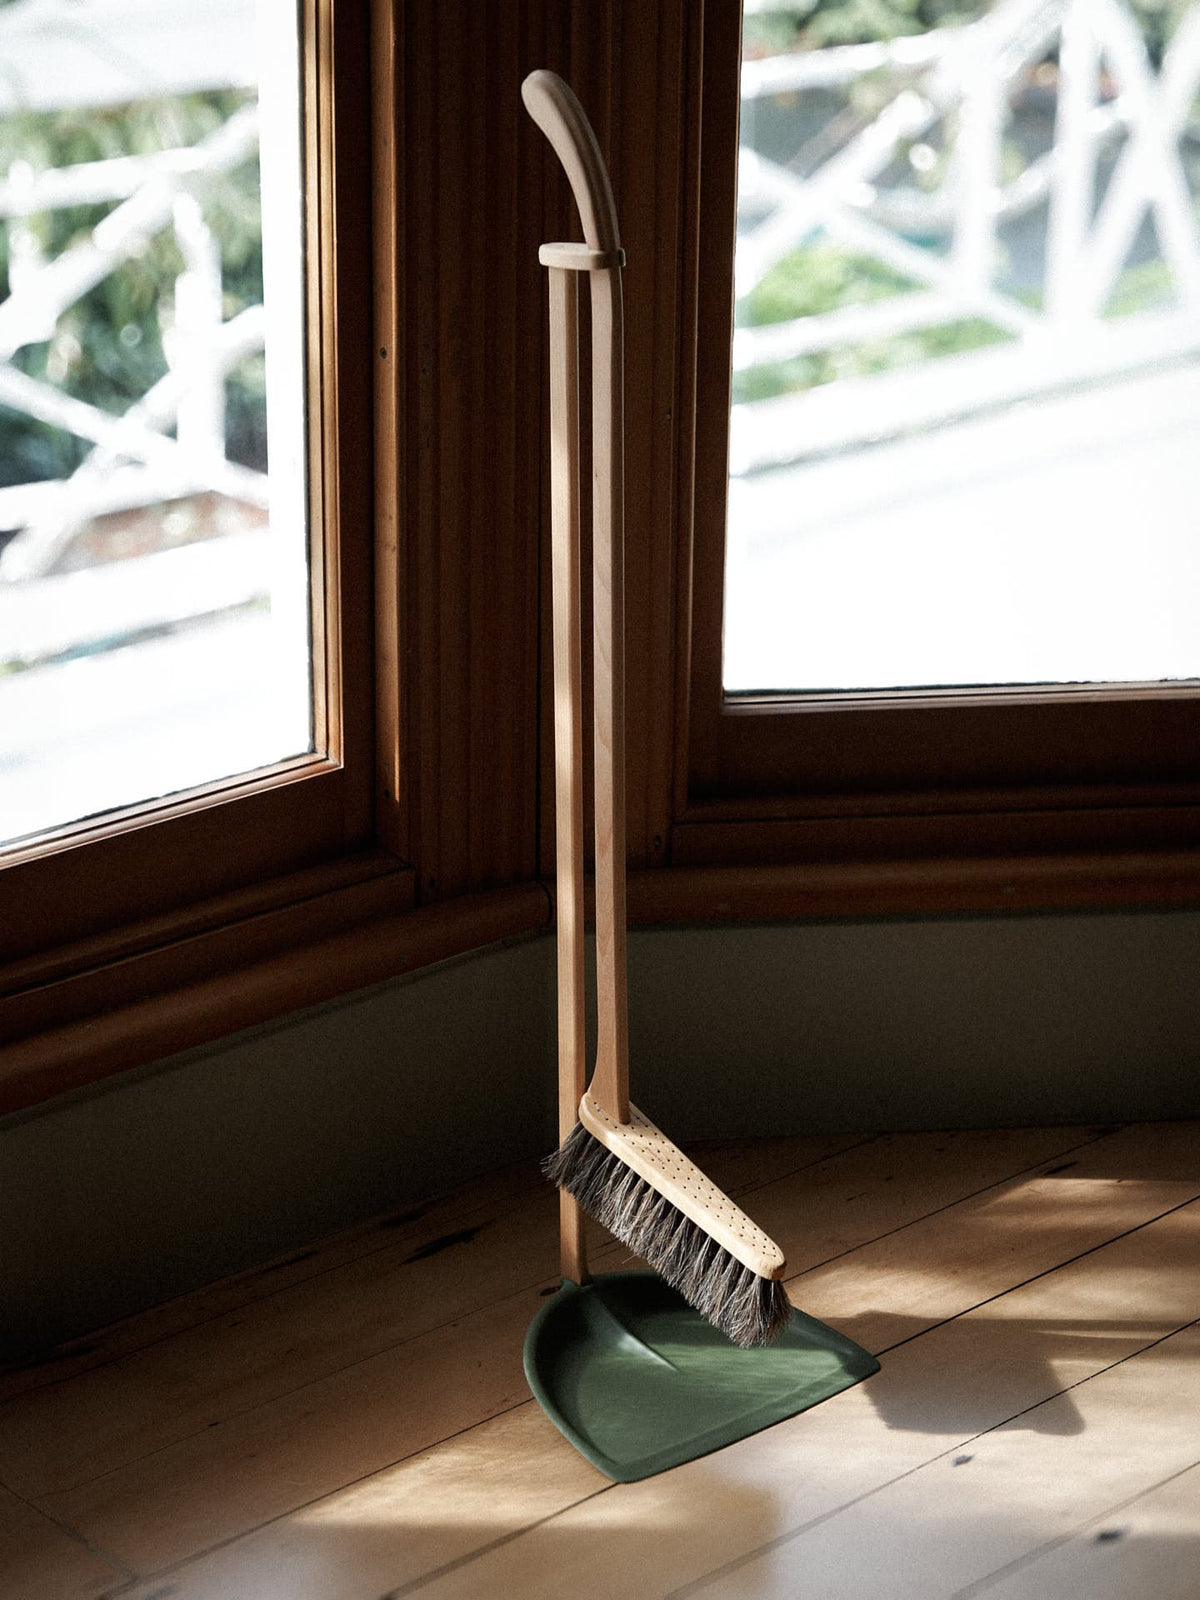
553	106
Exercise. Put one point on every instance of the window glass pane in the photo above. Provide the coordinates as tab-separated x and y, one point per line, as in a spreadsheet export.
154	616
966	388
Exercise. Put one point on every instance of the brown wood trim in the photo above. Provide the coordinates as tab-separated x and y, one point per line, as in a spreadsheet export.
148	1029
923	836
467	318
210	844
932	887
854	756
715	202
316	21
144	862
946	802
691	364
1091	736
649	142
184	947
390	357
338	232
315	885
128	819
343	523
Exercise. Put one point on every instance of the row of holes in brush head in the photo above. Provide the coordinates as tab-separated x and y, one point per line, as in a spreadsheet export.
656	1150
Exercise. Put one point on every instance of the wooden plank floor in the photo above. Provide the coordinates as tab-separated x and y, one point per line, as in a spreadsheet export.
353	1423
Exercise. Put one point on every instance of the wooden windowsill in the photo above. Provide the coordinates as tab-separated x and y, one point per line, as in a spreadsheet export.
109	1017
193	987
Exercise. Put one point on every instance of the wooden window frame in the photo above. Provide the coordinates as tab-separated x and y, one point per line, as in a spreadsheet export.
147	859
427	829
170	925
1106	776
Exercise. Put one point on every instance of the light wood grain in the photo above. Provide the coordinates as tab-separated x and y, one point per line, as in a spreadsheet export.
282	1455
554	107
41	1561
572	257
1145	1547
200	1384
605	1110
610	1080
182	1404
897	1179
398	1525
198	1361
404	1230
304	1446
968	1513
740	1165
498	1241
1084	1199
568	737
933	1396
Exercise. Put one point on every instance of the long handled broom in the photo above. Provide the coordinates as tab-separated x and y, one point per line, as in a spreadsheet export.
613	1162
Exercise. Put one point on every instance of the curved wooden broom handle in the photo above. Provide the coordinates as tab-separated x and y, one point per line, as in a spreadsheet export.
561	118
553	106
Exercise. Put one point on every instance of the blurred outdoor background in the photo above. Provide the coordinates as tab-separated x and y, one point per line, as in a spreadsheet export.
966	366
153	612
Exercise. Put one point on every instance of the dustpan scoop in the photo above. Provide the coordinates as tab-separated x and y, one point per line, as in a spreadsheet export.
634	1377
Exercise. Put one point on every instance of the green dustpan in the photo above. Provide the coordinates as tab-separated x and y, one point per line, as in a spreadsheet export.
639	1382
634	1377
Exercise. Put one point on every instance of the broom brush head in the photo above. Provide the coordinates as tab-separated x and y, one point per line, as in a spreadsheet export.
658	1203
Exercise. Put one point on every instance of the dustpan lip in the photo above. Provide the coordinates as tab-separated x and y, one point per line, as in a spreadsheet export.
752	1421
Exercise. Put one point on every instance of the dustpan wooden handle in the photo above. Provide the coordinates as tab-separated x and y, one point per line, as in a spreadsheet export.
610	1081
568	734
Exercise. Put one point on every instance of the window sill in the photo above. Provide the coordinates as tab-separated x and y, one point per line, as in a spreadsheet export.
933	887
76	1028
82	1026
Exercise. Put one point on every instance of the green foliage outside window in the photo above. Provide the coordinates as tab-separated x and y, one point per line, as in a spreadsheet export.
828	22
822	275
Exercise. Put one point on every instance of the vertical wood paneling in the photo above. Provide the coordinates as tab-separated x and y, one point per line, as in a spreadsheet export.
714	314
476	191
469	387
675	784
480	69
656	76
389	245
347	512
418	290
457	436
637	163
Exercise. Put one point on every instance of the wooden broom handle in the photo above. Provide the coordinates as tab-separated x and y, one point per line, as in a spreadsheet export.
553	106
561	118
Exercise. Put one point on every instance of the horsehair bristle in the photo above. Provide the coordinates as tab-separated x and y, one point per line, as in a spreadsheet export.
748	1308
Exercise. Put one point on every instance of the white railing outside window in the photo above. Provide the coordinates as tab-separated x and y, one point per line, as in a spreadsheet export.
966	357
158	528
950	102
